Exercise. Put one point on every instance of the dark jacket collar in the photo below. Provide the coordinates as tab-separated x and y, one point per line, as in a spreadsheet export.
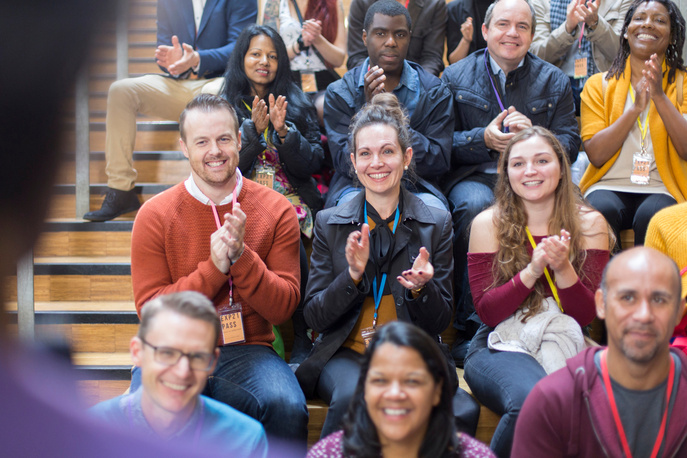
413	209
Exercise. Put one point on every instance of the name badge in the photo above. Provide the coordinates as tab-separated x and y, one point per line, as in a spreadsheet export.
264	175
641	166
231	319
308	82
368	334
580	67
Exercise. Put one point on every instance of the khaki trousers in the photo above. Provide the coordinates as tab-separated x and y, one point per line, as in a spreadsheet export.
152	95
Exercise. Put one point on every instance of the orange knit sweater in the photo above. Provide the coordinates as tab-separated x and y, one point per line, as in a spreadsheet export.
170	252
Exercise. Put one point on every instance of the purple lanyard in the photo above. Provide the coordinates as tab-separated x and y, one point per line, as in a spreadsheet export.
199	425
491	80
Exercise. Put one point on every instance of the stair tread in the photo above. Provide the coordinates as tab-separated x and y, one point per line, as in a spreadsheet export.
78	306
102	359
82	260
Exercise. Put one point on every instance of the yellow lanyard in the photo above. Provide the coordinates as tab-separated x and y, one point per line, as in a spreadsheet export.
554	290
642	129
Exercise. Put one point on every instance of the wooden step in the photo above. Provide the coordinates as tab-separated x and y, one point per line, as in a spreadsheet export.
145	140
165	167
135	67
71	237
78	306
86	337
63	201
84	287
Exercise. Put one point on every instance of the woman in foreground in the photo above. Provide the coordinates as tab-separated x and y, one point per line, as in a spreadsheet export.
402	404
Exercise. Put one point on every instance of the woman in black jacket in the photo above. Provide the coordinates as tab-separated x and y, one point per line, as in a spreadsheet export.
280	138
381	257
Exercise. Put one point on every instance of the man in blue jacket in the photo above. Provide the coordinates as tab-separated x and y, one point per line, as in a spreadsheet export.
427	101
194	42
497	92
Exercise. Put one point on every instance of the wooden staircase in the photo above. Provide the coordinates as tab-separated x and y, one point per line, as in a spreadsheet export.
82	273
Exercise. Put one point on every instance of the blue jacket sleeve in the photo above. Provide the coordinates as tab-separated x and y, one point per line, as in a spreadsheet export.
214	55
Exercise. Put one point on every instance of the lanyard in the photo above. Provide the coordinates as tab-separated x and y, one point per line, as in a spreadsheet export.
407	2
579	40
377	292
493	85
199	425
683	271
616	415
554	290
219	225
642	129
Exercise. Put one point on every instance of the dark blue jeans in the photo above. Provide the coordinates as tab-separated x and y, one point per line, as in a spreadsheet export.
467	199
501	381
256	381
628	210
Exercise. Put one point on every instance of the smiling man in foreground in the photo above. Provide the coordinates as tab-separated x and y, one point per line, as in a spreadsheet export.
175	349
627	399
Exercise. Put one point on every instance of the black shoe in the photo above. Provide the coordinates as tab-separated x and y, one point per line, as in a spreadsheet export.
116	203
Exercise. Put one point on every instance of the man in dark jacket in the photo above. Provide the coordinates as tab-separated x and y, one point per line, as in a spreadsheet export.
425	98
426	39
497	92
627	399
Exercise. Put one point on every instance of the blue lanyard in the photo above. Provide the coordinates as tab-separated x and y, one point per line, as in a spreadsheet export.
496	92
377	292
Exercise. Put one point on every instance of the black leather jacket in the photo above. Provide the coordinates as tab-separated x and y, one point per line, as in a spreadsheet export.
333	301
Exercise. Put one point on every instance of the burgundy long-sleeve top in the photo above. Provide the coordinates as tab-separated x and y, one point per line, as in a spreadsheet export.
496	304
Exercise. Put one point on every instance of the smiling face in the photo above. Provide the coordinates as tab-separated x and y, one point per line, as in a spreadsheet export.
387	42
379	160
509	34
260	63
172	391
649	30
400	393
212	147
641	305
534	170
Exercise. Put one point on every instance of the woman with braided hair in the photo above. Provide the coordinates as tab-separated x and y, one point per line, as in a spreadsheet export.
633	124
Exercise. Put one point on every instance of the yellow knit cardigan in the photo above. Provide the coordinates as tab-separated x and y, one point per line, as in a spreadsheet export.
600	108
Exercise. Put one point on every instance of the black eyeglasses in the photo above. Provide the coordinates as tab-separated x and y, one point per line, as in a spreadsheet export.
168	356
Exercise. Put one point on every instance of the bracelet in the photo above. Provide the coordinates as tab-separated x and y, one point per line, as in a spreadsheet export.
531	272
417	290
301	43
293	48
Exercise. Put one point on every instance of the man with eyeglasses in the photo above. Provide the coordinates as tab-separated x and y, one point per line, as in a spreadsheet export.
175	349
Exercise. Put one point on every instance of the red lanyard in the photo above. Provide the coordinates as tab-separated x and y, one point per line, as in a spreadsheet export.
407	1
219	224
616	415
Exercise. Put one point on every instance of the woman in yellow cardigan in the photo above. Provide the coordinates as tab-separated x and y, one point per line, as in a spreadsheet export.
633	129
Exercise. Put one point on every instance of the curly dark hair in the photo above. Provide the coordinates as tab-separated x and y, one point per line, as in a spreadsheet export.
674	51
360	437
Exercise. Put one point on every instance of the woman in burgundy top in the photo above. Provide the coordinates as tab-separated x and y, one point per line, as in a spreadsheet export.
535	204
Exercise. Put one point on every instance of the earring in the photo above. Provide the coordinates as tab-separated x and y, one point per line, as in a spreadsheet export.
405	167
625	36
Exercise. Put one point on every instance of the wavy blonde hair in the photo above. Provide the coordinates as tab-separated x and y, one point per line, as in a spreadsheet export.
510	220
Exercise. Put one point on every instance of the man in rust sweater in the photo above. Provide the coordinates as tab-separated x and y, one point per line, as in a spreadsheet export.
237	242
